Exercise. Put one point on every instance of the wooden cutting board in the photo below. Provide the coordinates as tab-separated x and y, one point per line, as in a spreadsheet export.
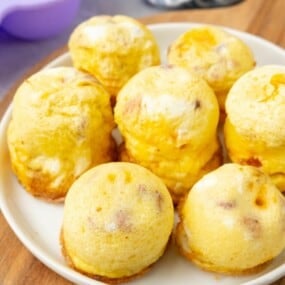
261	17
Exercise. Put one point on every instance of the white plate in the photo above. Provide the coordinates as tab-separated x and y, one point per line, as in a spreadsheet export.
37	223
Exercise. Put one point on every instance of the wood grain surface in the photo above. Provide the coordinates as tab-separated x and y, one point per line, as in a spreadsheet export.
261	17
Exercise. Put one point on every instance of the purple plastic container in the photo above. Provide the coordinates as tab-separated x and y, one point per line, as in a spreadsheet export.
37	19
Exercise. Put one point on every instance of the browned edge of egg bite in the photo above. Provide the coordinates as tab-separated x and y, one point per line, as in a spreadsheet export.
191	256
179	237
46	197
105	279
57	199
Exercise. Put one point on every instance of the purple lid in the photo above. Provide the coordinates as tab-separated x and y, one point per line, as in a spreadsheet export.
37	19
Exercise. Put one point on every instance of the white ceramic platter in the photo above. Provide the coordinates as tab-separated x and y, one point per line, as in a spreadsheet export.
37	223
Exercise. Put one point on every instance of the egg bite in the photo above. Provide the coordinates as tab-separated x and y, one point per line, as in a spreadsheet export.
254	129
113	49
216	55
232	221
118	218
61	126
168	119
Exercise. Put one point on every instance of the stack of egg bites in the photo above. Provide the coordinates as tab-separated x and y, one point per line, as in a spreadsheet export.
120	191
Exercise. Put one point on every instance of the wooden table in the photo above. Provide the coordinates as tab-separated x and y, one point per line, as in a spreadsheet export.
261	17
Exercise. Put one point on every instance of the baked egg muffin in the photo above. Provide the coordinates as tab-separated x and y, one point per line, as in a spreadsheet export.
118	218
168	119
254	129
113	49
232	221
215	54
61	126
